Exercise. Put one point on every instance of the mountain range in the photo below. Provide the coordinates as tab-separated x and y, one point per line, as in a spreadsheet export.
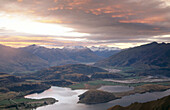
36	57
153	55
148	59
14	60
71	54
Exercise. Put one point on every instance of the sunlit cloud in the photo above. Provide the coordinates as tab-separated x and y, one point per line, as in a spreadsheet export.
123	23
24	25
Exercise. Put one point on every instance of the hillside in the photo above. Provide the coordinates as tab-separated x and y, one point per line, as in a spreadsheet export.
95	97
14	60
13	89
150	56
106	75
81	55
13	85
73	72
67	55
106	53
160	104
33	57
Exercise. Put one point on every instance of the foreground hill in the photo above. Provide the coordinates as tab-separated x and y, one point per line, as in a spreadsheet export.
14	60
160	104
150	56
73	72
13	89
13	86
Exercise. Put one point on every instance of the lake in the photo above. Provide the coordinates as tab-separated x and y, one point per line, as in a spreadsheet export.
68	99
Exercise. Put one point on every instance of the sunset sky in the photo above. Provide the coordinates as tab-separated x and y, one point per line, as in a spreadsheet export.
57	23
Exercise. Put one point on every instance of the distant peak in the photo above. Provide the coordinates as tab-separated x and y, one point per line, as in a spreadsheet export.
33	45
1	45
154	42
74	47
163	43
104	48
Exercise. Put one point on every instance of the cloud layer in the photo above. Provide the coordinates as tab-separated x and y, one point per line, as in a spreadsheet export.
102	22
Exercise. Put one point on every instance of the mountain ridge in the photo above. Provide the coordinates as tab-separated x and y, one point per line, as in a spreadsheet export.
14	60
148	55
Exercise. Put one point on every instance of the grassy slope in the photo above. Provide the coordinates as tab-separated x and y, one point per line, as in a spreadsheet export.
59	72
98	83
24	103
15	88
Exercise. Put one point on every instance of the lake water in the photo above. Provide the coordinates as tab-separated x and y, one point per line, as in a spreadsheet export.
68	99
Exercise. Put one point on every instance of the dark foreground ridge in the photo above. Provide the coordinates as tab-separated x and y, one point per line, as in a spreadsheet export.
160	104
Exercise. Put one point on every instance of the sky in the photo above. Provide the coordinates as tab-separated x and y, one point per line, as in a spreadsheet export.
58	23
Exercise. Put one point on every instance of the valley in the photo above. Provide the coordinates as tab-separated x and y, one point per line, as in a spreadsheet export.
137	87
90	85
84	54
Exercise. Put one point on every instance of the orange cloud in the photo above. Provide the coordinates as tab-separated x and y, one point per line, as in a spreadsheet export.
20	0
115	16
22	41
149	20
82	16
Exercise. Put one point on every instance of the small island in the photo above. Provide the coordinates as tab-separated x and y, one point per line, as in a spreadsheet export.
98	96
95	97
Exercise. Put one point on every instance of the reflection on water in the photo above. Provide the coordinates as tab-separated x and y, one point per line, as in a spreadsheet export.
68	99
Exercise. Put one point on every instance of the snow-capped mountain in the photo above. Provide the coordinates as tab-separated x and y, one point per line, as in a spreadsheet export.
104	48
74	47
67	55
104	51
